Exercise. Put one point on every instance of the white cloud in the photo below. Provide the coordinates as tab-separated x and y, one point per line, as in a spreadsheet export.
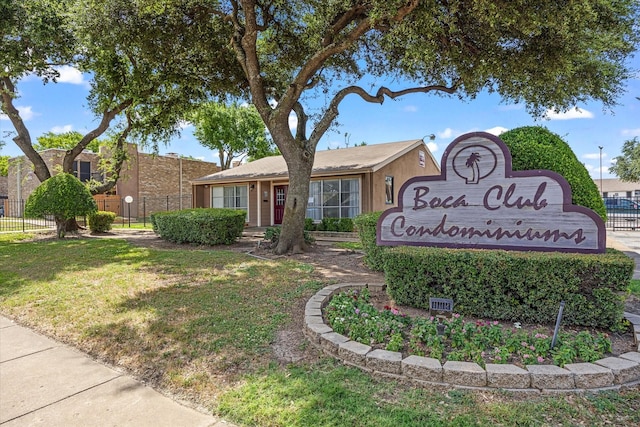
630	132
432	146
410	109
293	121
593	156
25	112
62	129
447	133
511	107
71	75
183	124
575	113
496	130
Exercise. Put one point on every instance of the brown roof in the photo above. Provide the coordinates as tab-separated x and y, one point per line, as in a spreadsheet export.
367	158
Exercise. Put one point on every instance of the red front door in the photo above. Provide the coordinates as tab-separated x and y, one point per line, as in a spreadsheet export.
279	197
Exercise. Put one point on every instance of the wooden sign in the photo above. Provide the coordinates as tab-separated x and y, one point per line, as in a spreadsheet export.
478	201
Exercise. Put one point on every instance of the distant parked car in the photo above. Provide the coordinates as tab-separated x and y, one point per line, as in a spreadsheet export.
623	213
618	205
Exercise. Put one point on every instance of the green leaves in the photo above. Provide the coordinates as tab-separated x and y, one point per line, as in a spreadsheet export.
627	166
233	131
535	147
62	196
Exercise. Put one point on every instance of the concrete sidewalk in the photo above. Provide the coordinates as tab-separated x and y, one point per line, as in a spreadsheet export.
43	382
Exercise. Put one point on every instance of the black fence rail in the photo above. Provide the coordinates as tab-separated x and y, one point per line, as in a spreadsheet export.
623	213
12	218
128	210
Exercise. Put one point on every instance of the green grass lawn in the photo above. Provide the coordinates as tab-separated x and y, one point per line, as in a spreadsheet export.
634	287
200	324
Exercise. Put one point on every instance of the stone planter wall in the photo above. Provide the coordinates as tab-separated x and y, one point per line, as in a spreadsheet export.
611	373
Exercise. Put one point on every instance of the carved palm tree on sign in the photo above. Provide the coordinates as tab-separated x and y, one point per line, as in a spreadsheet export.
472	162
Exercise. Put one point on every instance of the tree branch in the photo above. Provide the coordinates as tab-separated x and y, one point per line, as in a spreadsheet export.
120	155
301	127
23	138
332	111
317	61
107	117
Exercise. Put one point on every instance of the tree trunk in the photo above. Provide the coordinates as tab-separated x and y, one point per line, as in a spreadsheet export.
299	163
23	137
61	227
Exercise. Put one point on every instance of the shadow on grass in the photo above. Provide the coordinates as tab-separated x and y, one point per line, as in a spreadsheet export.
329	394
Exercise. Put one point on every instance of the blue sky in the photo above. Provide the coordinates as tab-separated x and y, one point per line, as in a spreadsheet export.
62	106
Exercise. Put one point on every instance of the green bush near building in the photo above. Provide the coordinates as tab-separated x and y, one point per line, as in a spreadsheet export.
205	226
101	221
366	225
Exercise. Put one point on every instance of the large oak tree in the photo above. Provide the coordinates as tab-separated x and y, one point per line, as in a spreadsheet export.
546	54
288	55
143	84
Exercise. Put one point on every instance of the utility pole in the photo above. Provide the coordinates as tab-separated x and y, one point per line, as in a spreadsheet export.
601	192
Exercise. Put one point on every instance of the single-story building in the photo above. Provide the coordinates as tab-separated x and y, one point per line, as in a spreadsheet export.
614	187
345	182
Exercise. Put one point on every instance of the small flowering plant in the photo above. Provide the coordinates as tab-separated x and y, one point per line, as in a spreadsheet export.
350	313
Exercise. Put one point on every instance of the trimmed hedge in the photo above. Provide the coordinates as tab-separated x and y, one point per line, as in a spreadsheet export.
205	226
366	225
101	221
340	225
516	286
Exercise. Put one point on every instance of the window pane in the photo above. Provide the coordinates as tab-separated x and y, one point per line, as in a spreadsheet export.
217	197
85	171
332	212
314	213
242	197
350	212
330	193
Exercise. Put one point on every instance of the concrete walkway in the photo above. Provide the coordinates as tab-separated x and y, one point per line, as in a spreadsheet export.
43	382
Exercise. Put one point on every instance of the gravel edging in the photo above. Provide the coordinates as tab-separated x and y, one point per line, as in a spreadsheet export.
611	373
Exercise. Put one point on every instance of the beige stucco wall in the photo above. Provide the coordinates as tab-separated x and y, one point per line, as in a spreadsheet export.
613	187
401	169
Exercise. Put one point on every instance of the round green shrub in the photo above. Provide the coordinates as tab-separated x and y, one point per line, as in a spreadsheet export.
62	196
536	147
101	221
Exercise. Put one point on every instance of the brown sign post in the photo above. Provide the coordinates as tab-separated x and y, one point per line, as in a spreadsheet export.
478	201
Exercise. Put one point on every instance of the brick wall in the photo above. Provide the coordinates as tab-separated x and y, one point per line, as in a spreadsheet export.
143	176
22	181
4	185
162	176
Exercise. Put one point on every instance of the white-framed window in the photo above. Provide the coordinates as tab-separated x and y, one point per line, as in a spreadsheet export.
333	198
232	197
